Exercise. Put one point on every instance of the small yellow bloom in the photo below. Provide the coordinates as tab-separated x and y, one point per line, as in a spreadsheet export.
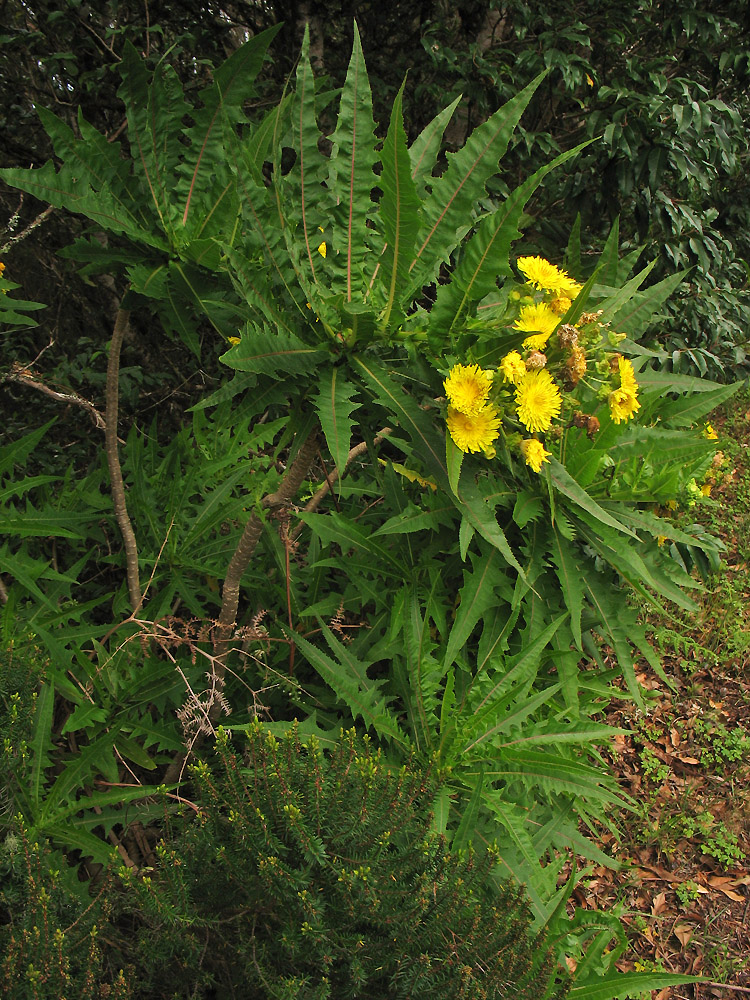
322	249
661	539
706	489
560	304
512	368
538	401
622	405
541	274
534	454
2	267
233	341
627	375
671	505
476	432
539	319
467	388
710	433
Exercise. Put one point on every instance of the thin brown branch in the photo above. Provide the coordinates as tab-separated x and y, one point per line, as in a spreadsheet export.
29	229
113	458
22	377
320	494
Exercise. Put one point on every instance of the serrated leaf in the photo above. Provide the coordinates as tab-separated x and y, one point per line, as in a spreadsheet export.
620	985
570	574
486	255
565	484
634	315
423	152
334	404
222	101
347	677
399	212
272	352
446	210
478	595
352	163
308	166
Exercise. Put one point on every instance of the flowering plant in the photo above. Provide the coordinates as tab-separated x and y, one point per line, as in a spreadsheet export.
465	460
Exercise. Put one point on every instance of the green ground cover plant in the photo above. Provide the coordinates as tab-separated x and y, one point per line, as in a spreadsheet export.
417	507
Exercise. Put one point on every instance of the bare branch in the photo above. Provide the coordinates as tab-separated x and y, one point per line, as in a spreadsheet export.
22	376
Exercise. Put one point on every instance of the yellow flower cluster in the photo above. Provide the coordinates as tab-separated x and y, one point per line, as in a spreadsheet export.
556	362
473	422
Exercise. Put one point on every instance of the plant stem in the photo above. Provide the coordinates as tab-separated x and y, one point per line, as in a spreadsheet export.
113	458
230	595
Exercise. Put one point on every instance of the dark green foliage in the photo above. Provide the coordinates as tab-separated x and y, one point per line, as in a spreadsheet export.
50	932
311	876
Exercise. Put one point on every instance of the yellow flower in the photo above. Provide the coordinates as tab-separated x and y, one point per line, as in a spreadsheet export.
537	318
627	376
233	341
560	304
534	453
710	433
622	405
512	367
538	400
467	388
706	489
2	267
543	275
671	505
569	286
322	250
660	540
476	432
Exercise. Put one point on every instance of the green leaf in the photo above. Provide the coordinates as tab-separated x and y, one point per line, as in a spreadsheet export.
486	255
454	458
41	742
627	984
399	212
634	316
334	405
272	352
464	835
307	169
423	152
688	410
478	595
565	484
622	296
223	100
347	677
447	209
352	176
570	574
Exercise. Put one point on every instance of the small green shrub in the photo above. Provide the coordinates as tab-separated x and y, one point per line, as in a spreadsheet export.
311	876
49	935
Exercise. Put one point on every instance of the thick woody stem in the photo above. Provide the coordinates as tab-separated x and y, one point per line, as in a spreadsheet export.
230	595
113	459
